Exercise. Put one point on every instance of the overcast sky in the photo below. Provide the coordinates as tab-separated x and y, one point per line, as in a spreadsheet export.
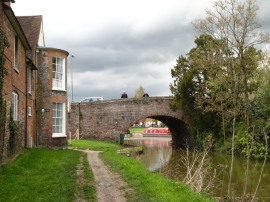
121	44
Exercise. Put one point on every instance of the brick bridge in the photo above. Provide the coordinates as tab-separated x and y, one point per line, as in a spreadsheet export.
107	119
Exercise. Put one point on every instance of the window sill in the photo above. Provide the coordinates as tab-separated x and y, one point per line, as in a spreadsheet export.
56	135
16	69
59	89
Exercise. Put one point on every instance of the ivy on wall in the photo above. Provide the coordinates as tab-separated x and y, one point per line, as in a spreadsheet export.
13	132
3	44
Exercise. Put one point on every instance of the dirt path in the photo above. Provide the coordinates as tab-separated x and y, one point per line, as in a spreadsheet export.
110	187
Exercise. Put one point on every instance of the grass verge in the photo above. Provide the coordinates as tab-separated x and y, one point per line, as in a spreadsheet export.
85	181
147	186
95	145
43	175
136	130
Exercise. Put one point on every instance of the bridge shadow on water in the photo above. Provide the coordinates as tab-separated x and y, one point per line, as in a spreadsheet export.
178	128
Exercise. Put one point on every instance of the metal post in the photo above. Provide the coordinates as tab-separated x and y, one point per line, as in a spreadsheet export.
72	56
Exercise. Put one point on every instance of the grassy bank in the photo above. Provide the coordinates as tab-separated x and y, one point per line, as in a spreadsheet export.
147	186
136	130
95	145
51	175
46	175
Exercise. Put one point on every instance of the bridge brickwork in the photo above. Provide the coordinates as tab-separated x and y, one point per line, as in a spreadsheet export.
105	120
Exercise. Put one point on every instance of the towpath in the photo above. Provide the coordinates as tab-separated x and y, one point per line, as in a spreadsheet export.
110	187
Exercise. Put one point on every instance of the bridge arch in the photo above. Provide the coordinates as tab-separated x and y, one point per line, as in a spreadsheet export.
107	119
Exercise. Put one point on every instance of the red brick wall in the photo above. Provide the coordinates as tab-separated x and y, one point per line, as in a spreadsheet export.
1	13
31	120
14	81
38	130
31	138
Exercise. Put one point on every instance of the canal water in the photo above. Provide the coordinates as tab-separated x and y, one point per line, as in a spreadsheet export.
158	156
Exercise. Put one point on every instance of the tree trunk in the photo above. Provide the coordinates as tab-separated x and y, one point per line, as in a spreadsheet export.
235	96
249	150
262	168
223	124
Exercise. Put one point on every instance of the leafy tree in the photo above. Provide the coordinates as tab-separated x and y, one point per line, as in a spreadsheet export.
201	78
260	105
236	22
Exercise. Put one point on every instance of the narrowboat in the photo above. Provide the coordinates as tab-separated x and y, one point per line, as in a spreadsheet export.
156	132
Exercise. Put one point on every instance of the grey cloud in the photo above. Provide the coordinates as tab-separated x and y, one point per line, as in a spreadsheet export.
120	58
118	50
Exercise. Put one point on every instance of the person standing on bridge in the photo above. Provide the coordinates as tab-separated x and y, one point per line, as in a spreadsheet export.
145	95
124	95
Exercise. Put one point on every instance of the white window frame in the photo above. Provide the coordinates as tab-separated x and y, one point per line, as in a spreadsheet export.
15	106
16	52
58	83
29	110
62	118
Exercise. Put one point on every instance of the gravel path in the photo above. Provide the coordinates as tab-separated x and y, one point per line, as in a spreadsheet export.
110	187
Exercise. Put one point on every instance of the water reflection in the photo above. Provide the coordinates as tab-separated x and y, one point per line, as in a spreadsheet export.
157	151
159	156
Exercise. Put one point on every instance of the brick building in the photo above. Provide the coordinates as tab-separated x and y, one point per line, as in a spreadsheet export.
52	97
14	83
50	89
34	86
33	29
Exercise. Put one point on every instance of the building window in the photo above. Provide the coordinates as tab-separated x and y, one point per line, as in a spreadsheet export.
15	106
29	111
59	120
29	81
58	72
16	45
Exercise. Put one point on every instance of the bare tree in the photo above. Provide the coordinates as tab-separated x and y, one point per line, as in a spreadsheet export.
139	92
198	175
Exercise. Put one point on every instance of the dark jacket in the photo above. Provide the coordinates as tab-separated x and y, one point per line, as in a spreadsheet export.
124	95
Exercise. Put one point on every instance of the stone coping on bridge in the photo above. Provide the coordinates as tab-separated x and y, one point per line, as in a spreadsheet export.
129	99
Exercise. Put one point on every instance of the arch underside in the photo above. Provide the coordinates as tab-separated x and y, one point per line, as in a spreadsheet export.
179	131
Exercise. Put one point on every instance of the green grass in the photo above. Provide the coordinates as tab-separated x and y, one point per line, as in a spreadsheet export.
88	187
42	175
136	130
95	145
147	186
50	175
